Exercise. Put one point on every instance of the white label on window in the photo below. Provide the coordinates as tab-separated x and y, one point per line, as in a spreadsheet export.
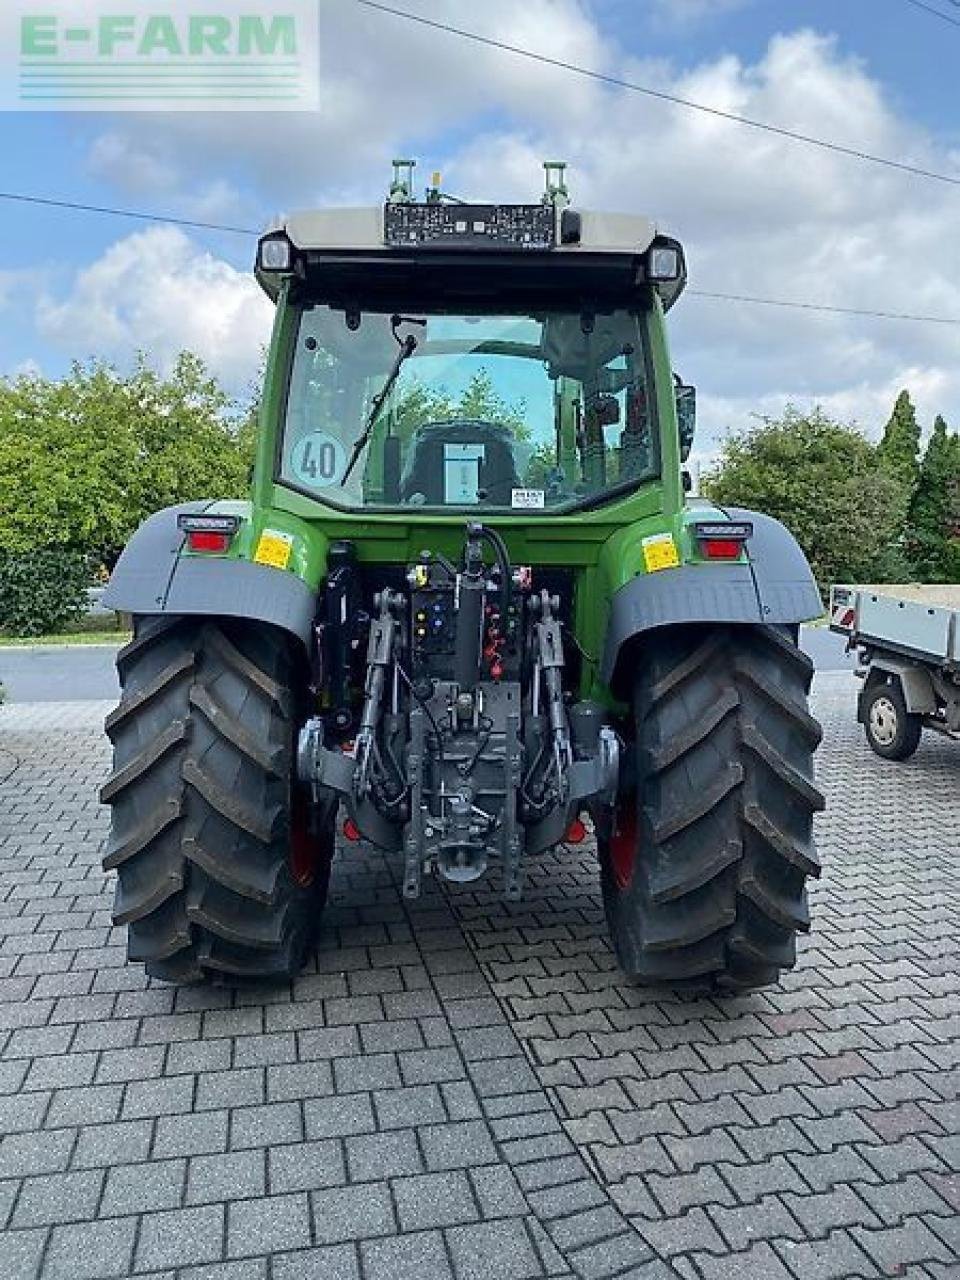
318	459
461	473
527	499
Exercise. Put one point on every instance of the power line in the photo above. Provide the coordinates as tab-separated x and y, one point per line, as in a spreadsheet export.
928	8
161	219
136	214
819	306
602	78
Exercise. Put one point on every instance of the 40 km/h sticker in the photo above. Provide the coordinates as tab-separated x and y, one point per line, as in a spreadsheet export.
318	459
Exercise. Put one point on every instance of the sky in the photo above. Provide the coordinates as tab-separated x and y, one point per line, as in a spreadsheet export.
758	215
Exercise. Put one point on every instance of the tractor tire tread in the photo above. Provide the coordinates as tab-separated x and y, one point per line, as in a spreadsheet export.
725	802
201	798
133	770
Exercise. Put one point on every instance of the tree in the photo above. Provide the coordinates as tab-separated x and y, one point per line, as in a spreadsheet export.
84	459
482	401
825	482
899	447
933	523
419	404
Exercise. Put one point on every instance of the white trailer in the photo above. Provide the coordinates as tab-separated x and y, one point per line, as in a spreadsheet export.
908	639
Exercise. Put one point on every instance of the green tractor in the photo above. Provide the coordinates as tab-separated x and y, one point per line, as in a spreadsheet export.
467	606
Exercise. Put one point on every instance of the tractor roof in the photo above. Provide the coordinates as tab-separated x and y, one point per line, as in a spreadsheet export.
481	234
364	228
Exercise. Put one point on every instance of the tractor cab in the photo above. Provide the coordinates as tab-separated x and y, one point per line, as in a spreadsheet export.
474	358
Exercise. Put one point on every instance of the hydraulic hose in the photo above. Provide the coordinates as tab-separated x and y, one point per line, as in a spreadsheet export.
503	559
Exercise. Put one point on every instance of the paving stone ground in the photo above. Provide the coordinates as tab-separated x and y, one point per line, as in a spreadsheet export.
465	1089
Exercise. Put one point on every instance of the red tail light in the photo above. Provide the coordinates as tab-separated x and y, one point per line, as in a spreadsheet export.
207	540
209	534
576	832
721	548
722	539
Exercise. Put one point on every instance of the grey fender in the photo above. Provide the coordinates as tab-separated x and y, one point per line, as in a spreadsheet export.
916	684
775	587
151	577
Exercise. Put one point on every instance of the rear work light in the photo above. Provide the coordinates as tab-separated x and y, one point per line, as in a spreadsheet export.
663	263
722	540
209	534
275	253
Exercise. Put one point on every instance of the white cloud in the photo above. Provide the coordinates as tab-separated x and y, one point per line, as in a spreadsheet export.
156	291
763	216
758	214
385	84
685	13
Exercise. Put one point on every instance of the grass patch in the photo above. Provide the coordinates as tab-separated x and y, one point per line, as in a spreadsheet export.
67	637
90	630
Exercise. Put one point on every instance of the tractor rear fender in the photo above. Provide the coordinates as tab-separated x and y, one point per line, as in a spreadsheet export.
776	586
152	577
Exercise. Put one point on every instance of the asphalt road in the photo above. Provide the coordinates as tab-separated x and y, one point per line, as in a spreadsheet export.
55	673
81	673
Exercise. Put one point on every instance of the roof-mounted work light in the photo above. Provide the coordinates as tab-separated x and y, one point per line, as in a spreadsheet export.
664	263
276	253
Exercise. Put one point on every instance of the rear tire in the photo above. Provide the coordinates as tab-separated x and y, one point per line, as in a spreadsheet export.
704	876
892	731
217	875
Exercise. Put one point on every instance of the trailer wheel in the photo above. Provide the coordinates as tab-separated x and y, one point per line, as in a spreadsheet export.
217	871
892	731
704	875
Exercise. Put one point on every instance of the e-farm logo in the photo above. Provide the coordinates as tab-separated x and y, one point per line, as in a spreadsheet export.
147	55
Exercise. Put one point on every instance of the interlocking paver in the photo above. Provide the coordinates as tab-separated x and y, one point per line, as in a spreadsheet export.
332	1262
457	1146
434	1200
139	1188
298	1080
90	1250
504	1245
374	1156
240	1269
480	1068
267	1125
268	1224
835	1257
353	1213
180	1237
497	1191
21	1252
339	1117
229	1176
422	1254
201	1133
363	1073
412	1105
236	1088
167	1096
66	1197
22	1154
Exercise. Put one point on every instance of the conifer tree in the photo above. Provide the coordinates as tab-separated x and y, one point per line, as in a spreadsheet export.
933	535
899	449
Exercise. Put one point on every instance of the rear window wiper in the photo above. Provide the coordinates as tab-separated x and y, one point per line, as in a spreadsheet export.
407	347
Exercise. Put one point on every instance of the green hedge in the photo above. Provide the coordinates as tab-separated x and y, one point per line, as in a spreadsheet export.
42	589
